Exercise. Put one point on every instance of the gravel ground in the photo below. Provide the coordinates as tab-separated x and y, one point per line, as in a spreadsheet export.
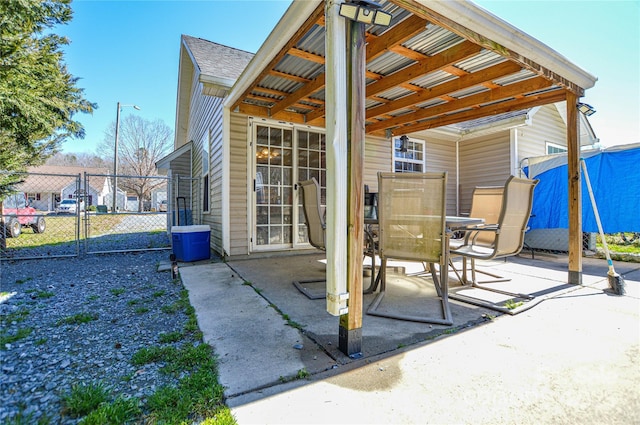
126	296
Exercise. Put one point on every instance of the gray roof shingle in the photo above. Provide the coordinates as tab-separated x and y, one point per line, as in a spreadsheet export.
217	60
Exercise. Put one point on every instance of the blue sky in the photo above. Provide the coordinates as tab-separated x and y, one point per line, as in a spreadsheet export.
127	51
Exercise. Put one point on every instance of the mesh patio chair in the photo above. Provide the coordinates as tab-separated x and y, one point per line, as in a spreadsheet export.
314	218
411	214
507	237
316	226
486	203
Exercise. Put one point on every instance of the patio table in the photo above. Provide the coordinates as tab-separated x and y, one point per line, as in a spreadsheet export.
453	223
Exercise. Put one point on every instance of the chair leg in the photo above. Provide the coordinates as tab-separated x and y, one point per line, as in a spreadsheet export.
301	286
441	288
455	270
476	284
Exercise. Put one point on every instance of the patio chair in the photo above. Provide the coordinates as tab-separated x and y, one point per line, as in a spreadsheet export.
486	203
314	218
316	226
411	214
507	237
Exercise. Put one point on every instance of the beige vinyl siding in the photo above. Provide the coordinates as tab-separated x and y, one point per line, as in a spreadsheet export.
238	196
203	113
214	218
546	126
484	161
181	166
440	157
377	157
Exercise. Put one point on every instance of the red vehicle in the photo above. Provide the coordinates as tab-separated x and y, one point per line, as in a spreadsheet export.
16	213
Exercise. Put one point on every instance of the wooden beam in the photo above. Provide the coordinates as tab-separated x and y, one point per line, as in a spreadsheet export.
575	191
306	90
433	63
400	33
473	101
262	111
313	19
295	78
489	74
311	57
485	111
422	10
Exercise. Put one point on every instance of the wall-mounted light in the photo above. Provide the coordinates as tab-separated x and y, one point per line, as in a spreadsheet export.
365	11
587	110
404	142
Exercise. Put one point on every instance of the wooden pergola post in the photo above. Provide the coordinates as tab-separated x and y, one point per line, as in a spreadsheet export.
575	191
350	330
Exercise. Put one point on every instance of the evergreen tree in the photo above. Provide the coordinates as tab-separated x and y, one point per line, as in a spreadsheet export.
38	95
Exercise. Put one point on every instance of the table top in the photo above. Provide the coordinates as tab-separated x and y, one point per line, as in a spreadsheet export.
452	222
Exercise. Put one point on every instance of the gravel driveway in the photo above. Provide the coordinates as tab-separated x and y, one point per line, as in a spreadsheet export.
46	348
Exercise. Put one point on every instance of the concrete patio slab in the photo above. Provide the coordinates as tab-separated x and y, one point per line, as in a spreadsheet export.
254	346
543	365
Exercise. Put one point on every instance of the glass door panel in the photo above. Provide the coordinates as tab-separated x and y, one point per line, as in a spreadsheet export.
311	163
284	156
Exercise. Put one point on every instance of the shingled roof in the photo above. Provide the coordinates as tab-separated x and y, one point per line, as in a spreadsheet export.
213	59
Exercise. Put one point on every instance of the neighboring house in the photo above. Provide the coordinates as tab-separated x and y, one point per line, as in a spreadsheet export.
473	100
46	186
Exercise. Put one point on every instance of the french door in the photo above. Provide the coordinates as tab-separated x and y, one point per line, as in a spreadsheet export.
283	155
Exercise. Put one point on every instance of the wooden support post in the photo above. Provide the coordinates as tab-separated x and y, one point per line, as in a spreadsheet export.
337	129
350	331
575	191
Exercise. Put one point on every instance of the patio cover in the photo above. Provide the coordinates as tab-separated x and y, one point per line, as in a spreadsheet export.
614	174
438	63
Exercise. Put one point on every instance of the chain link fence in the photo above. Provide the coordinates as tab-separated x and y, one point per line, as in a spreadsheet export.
42	218
135	220
60	215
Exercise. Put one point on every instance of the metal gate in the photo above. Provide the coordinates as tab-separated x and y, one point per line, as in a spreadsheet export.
136	219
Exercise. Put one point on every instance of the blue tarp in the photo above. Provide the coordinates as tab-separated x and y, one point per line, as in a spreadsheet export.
615	178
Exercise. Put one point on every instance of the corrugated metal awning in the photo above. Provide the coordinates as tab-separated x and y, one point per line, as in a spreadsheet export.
423	71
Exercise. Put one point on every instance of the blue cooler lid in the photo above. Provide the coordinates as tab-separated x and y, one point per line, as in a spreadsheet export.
195	228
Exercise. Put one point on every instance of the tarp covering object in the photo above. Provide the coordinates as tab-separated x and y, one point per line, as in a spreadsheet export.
615	178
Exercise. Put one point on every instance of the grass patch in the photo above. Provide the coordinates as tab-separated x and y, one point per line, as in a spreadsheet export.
512	305
152	354
16	316
141	310
182	304
159	294
120	411
44	294
301	374
197	394
25	280
621	242
83	399
37	293
118	291
10	339
77	319
170	337
93	297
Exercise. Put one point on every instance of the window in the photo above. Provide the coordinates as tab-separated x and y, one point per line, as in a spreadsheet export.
553	148
408	155
205	172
